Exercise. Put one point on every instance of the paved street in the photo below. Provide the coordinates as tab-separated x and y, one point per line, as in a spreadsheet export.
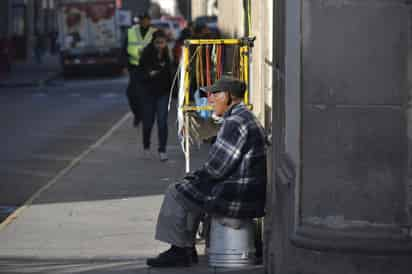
43	128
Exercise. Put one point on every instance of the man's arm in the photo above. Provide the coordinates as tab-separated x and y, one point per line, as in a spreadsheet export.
227	151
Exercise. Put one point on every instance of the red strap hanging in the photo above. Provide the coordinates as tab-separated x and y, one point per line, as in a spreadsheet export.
208	79
202	72
219	62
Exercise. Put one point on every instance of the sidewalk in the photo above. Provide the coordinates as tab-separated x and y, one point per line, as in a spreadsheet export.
30	73
99	214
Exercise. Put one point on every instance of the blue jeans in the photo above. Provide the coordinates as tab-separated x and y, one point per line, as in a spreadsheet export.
155	107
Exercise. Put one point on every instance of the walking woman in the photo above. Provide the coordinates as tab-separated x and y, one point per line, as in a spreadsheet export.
157	74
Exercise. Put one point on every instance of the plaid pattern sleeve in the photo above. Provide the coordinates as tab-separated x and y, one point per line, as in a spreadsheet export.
232	182
226	153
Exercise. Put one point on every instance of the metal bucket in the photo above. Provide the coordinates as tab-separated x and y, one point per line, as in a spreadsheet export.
230	247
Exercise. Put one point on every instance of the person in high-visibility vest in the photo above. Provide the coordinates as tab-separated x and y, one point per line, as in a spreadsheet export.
137	38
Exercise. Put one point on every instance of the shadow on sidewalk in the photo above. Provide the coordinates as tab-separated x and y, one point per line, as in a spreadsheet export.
107	266
49	266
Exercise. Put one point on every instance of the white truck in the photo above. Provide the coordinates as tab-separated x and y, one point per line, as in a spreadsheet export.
90	33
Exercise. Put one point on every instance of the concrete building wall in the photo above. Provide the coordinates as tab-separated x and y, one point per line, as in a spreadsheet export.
352	98
261	69
409	113
285	128
231	17
199	8
347	211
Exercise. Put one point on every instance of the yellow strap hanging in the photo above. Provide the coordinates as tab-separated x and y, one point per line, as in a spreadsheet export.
186	63
244	51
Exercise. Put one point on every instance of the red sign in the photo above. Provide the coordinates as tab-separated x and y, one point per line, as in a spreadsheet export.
118	4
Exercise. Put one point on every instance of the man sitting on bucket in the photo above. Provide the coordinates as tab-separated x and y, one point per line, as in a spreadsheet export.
232	182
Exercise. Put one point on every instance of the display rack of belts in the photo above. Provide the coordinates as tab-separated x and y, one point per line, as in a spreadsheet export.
203	62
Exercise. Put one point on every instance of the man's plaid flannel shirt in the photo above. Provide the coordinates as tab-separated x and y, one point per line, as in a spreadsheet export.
232	182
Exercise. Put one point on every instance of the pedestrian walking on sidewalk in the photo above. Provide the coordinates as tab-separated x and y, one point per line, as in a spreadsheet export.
137	38
232	182
157	78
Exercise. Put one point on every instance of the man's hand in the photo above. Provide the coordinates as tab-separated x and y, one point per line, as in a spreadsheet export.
202	129
189	177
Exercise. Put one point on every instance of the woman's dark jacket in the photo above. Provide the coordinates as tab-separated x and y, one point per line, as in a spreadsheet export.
160	83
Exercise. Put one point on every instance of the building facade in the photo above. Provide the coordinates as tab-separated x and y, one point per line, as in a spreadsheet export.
345	117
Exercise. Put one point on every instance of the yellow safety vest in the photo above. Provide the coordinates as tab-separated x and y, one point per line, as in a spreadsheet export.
136	43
